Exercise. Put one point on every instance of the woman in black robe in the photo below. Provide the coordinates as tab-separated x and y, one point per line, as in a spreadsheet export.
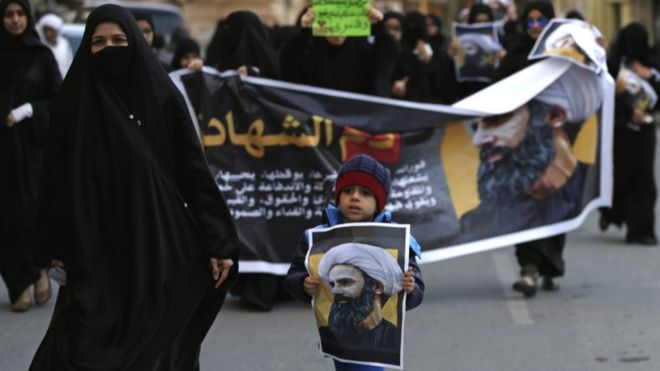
131	212
186	51
516	57
239	40
356	64
427	74
635	194
29	79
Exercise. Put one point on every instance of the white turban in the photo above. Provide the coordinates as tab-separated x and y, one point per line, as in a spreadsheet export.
578	91
372	260
483	42
50	20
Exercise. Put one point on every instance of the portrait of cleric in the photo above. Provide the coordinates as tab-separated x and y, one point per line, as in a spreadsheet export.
572	39
528	173
365	318
477	56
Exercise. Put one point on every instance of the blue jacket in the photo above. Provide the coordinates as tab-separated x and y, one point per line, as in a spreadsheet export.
332	216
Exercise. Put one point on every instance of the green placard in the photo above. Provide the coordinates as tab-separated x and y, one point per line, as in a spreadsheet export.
341	18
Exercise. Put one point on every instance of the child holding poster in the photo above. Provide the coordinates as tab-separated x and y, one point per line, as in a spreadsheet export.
361	192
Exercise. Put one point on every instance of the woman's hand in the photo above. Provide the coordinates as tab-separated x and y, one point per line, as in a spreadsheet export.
640	70
375	15
399	87
220	270
11	121
196	65
307	18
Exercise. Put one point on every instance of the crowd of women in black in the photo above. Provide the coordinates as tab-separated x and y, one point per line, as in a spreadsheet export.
102	174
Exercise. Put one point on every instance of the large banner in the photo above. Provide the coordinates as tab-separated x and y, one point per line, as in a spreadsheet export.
274	149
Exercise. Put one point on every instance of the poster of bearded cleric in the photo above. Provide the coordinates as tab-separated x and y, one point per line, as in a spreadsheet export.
478	48
359	304
525	158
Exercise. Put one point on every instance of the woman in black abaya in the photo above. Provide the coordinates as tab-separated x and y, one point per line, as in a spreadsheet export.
241	39
635	194
29	79
186	51
241	42
131	211
355	64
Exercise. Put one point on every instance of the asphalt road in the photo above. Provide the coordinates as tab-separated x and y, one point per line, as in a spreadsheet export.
605	317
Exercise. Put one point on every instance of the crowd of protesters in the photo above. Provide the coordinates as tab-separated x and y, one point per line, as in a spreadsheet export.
406	57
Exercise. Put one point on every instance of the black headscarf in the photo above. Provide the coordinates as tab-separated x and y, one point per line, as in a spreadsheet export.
393	14
241	39
516	58
631	44
125	163
437	41
480	9
183	48
15	50
543	6
141	15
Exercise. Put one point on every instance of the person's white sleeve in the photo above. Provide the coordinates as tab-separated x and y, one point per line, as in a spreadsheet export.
655	75
22	112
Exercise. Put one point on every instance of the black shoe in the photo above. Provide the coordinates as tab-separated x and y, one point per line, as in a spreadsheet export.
526	286
603	223
642	240
549	284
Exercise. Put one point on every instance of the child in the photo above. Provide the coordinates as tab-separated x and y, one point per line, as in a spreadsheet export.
361	192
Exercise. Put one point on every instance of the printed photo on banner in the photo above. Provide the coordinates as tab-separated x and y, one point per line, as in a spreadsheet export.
637	92
533	164
477	55
359	307
571	39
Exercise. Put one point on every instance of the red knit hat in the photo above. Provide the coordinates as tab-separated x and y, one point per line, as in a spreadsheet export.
363	170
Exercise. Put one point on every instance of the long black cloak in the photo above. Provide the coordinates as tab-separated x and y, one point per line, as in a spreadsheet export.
360	65
433	81
242	39
28	74
130	207
635	194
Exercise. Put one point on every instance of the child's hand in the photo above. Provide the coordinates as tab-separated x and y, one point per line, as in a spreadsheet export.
310	285
408	282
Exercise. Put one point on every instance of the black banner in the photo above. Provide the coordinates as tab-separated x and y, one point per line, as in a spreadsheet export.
274	149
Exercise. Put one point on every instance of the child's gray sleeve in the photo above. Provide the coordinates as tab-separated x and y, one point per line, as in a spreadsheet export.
297	272
416	297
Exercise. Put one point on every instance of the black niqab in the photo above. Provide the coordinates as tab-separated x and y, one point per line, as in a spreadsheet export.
413	29
131	209
242	39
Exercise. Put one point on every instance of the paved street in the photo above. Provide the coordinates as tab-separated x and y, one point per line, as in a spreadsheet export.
606	317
